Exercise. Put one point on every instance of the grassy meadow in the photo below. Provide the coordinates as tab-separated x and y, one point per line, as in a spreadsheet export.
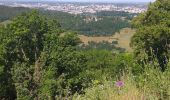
123	38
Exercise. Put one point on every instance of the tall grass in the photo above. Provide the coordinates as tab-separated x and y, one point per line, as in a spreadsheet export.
152	84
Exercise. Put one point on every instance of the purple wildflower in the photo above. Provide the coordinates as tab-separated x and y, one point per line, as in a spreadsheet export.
119	84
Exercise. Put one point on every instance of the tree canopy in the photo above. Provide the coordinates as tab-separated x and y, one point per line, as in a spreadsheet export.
152	39
34	55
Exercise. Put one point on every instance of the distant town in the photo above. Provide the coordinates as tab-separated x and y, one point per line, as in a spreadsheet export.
79	8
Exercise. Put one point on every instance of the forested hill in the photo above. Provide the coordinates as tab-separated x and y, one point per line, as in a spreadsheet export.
7	13
101	23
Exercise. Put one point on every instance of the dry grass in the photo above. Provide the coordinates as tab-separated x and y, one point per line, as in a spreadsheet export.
123	38
86	39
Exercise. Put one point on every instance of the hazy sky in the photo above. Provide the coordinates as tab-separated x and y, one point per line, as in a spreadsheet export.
108	0
88	0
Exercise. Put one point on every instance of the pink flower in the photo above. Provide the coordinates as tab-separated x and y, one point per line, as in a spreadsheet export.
119	84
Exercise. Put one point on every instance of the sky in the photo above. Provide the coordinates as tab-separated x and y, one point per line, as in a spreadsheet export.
88	0
108	0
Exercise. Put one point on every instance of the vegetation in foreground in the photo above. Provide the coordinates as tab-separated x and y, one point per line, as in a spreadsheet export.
150	85
38	62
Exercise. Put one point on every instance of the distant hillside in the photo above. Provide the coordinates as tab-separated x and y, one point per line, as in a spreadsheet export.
104	23
7	13
99	24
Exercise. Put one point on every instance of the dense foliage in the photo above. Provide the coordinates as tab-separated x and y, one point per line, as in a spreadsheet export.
152	39
28	48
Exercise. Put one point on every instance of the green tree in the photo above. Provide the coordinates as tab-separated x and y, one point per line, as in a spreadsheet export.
151	41
22	44
27	33
7	88
62	67
39	59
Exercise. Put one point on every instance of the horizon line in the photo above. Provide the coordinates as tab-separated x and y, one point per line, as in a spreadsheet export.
77	1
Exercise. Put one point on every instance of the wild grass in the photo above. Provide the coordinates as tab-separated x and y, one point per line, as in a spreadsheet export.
152	84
